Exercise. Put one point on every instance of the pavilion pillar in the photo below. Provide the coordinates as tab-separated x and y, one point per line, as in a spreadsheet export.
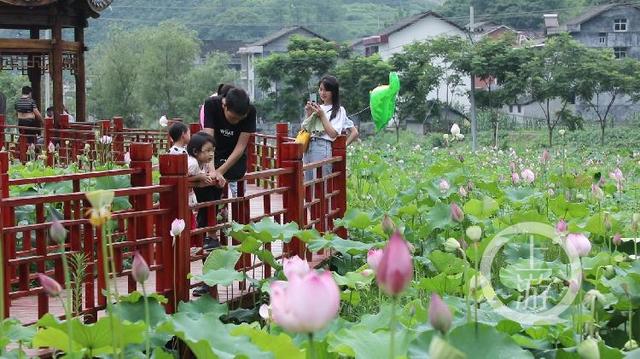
34	72
56	68
81	93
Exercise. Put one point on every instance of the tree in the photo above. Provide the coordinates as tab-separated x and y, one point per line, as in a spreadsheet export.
418	77
10	85
168	55
607	79
552	74
358	76
289	78
113	77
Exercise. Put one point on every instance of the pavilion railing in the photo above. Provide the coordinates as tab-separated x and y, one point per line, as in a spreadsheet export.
141	221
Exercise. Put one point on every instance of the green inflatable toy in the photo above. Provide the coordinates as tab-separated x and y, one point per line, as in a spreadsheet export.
382	101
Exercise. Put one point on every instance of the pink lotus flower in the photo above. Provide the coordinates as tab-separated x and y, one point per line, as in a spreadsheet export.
462	192
561	226
57	232
616	175
50	285
295	266
374	256
139	269
515	178
306	303
51	148
527	175
443	185
617	239
439	314
578	244
456	212
395	270
177	226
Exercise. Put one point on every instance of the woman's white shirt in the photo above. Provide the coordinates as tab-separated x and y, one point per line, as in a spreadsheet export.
338	122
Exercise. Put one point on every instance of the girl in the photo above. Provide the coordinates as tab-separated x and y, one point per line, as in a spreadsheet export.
330	120
200	150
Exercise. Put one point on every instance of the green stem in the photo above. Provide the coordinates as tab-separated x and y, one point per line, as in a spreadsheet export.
67	284
466	280
67	320
107	279
635	244
147	319
392	327
475	306
312	349
630	333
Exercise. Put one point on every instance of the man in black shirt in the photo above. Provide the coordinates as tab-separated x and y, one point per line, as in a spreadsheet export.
231	119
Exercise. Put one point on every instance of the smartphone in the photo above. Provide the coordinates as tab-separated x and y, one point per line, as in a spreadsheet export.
313	97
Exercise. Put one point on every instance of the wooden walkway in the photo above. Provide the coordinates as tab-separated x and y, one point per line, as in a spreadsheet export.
25	309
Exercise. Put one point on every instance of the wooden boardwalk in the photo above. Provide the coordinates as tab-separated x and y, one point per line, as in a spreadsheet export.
25	309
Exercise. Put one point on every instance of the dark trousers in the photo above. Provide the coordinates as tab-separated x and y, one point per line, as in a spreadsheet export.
206	194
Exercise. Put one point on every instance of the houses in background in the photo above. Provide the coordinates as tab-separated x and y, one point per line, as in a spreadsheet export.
274	43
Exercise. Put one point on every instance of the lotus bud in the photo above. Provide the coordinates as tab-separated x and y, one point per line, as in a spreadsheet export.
545	157
455	130
577	244
474	233
443	185
163	121
139	269
515	178
588	349
387	225
127	158
265	312
630	345
607	221
395	271
561	226
562	131
456	213
49	285
51	148
592	295
374	256
87	147
57	232
512	166
445	136
597	192
462	192
451	245
439	314
295	266
177	226
617	239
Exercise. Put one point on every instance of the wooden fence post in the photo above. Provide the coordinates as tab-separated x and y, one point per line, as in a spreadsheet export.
339	202
48	138
282	132
175	258
293	198
252	156
118	139
195	127
3	123
141	154
5	219
64	134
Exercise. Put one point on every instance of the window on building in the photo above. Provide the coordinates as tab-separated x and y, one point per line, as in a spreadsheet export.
519	108
620	25
370	50
603	37
620	52
510	108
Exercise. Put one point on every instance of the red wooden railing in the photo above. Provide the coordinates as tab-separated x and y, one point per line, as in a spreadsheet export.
144	226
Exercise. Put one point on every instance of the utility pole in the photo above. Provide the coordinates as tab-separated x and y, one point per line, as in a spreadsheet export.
472	96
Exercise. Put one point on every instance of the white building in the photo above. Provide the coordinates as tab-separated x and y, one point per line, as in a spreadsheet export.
420	27
252	53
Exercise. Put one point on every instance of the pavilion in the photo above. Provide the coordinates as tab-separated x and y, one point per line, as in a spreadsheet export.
37	56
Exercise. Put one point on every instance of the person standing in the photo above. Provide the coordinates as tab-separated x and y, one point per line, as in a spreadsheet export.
330	118
28	115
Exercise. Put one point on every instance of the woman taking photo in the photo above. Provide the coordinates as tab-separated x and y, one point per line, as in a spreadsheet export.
329	118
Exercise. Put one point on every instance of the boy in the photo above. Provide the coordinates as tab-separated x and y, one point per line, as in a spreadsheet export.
180	135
